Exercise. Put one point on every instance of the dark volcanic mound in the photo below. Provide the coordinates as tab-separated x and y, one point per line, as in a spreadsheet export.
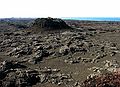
50	24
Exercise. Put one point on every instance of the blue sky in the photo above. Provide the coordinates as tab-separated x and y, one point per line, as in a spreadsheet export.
59	8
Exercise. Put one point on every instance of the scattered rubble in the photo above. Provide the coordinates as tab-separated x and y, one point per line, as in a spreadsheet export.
38	57
13	75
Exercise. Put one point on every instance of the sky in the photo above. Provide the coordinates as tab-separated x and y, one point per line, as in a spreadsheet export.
59	8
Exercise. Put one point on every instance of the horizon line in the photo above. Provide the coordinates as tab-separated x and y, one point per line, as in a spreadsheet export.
58	17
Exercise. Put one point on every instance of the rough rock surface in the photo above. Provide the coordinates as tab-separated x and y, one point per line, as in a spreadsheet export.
58	59
50	24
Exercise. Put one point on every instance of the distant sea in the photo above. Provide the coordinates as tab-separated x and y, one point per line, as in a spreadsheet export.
93	18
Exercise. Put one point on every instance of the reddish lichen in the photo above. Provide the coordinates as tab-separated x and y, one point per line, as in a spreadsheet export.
106	80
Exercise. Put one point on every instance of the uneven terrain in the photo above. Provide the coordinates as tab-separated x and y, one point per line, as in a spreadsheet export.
58	58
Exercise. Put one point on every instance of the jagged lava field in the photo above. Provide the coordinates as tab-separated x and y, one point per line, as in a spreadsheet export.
51	52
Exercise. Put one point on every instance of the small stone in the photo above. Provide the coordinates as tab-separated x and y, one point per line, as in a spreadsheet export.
59	83
113	48
92	76
76	84
94	60
64	50
74	61
86	60
66	61
42	78
55	70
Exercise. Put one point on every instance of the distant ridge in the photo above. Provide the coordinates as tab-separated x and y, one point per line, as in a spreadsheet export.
93	18
71	18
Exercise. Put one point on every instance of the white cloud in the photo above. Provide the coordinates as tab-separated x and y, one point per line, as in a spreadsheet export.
59	8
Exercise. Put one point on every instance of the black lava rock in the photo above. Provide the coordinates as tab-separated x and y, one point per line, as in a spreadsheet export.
50	24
